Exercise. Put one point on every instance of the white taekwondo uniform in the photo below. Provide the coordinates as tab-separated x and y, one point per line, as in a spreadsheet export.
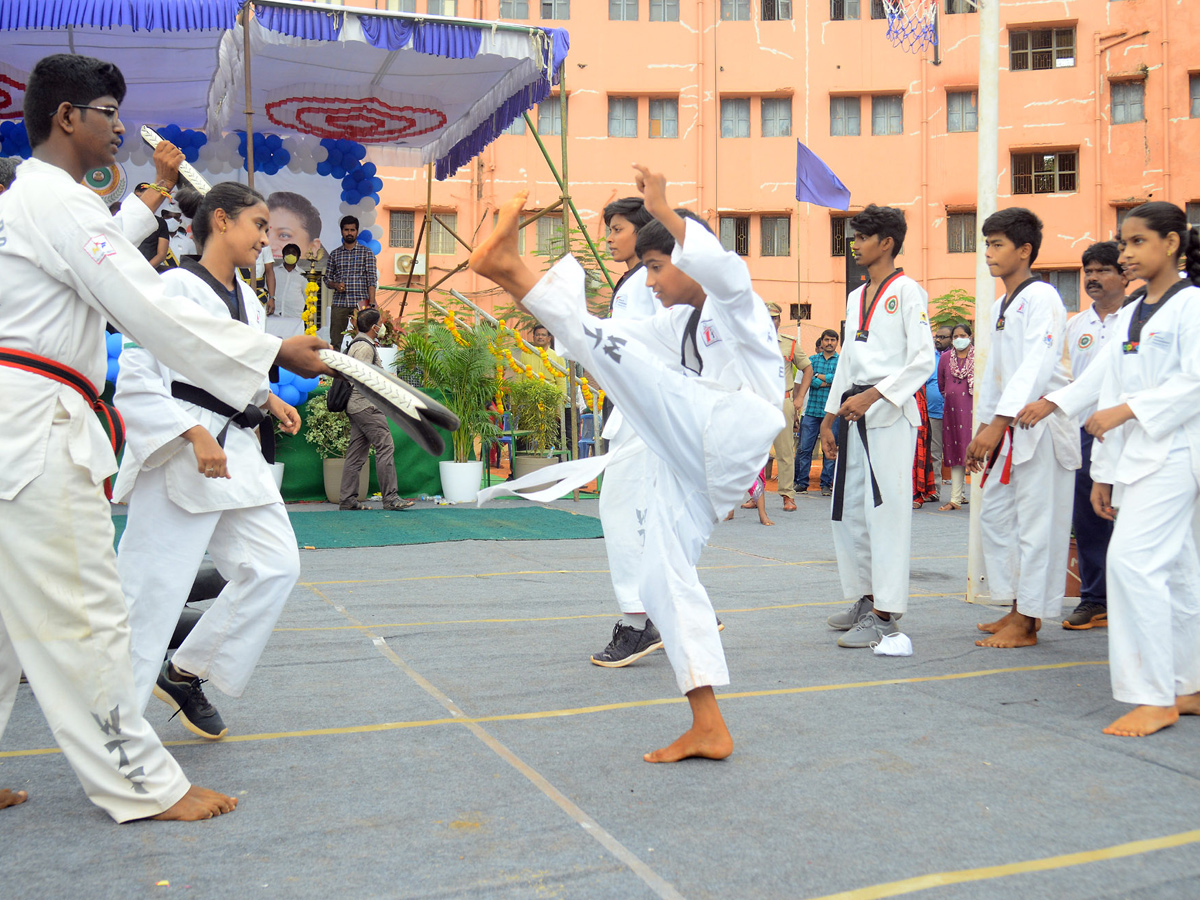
1025	525
873	542
708	436
623	494
67	269
1153	465
175	514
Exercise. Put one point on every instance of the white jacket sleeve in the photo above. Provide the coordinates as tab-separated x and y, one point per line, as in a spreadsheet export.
136	221
154	420
919	357
1084	391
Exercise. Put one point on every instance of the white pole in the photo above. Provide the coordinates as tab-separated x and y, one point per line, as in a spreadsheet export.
987	177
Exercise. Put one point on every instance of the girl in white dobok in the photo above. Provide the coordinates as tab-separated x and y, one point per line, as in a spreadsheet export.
195	479
1146	473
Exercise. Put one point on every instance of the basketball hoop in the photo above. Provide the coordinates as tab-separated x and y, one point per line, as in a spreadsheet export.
912	24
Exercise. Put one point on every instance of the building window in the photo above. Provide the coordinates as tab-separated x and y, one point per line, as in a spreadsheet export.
400	228
550	236
839	246
556	9
955	7
664	118
735	234
735	117
402	5
550	116
623	10
961	232
1122	212
962	111
1045	173
777	117
776	10
441	241
1066	282
1128	102
1045	48
801	311
443	8
735	10
514	9
775	237
1193	215
887	115
664	10
845	116
622	117
878	10
1194	90
843	9
517	126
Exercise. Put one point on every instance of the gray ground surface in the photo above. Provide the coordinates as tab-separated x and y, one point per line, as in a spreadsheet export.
850	770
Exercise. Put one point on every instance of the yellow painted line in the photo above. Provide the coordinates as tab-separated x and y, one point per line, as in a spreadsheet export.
591	710
606	615
940	879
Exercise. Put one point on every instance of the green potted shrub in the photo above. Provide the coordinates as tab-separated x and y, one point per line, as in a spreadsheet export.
535	407
329	433
459	365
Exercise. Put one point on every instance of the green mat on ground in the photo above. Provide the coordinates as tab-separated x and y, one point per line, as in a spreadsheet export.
330	529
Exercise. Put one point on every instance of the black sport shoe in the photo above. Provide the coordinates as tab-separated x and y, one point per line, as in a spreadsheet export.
1087	615
628	645
195	712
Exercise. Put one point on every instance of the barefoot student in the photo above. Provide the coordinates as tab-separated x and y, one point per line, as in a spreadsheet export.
1145	469
623	500
708	428
67	270
886	359
1028	476
195	478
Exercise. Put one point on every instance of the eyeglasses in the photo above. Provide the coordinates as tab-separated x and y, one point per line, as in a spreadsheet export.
110	112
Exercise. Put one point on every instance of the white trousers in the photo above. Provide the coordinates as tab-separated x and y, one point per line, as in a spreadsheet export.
623	507
874	543
160	553
1025	527
1154	588
63	620
707	444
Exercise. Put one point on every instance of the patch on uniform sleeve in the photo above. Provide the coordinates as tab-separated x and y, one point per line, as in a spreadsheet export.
709	333
1049	338
98	248
891	304
924	319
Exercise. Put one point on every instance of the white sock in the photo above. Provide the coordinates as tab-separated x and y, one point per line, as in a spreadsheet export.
636	621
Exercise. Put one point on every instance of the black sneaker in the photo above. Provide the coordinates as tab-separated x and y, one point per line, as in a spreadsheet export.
195	712
1087	615
628	645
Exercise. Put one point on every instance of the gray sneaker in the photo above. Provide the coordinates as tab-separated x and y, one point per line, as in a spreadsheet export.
846	619
869	630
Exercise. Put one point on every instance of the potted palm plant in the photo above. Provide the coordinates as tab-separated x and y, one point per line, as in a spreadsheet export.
329	433
535	407
456	362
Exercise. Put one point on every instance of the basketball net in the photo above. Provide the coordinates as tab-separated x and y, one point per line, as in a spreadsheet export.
912	24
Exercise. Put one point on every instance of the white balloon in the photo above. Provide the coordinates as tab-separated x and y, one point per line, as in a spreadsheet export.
320	153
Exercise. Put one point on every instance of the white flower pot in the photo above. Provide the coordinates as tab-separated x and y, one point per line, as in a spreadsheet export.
387	357
460	481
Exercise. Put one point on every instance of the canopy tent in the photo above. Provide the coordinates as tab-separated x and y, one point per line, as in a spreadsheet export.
414	89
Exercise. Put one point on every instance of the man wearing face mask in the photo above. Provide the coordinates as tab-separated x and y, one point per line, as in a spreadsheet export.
368	426
286	320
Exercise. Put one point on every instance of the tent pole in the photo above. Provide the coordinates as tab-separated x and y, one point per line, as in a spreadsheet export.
426	226
249	110
567	206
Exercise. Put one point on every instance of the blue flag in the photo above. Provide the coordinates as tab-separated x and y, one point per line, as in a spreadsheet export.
816	183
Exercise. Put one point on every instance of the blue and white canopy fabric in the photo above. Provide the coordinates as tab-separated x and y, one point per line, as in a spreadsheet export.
414	89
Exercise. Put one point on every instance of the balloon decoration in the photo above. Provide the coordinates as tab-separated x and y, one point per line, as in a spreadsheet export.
186	139
269	153
293	389
114	344
14	141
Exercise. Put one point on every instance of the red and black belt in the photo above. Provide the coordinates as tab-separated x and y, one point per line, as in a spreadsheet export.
1006	472
63	374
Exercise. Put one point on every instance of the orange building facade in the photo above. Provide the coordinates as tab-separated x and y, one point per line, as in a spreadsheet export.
1099	110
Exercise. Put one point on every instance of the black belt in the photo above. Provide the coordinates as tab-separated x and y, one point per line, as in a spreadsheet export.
250	417
843	447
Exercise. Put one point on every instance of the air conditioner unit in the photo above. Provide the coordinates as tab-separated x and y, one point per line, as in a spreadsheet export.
410	264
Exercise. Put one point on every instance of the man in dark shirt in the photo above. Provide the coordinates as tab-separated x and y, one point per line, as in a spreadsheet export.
352	274
155	247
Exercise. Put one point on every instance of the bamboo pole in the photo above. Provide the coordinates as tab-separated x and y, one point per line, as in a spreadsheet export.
249	108
428	216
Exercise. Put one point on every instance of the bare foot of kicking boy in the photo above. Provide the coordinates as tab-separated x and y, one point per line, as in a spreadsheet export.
12	798
1144	720
707	738
198	803
497	257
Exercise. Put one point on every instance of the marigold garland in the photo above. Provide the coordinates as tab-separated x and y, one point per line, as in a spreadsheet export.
312	291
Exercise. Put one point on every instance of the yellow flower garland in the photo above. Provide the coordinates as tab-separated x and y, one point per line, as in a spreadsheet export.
312	291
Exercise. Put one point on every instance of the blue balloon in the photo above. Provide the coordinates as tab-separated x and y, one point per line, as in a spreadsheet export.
114	368
360	152
376	247
301	399
370	170
307	385
338	172
289	394
274	141
376	184
323	168
364	236
286	377
114	343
